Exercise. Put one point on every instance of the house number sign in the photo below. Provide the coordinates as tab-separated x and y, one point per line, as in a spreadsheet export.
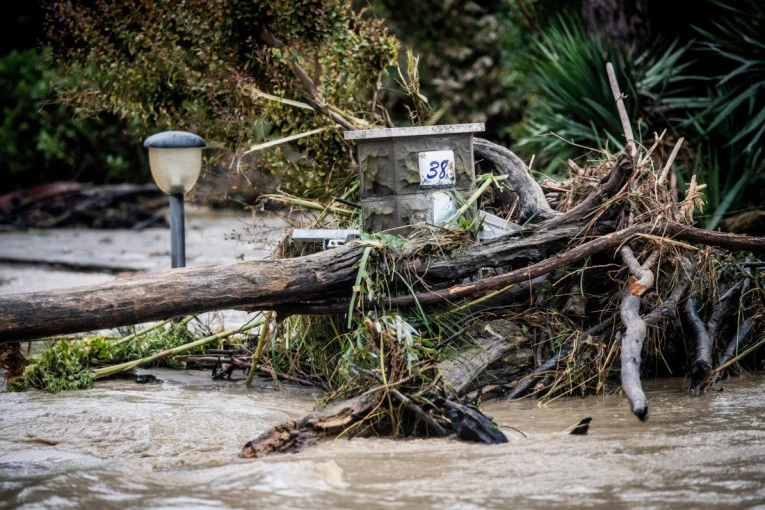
437	169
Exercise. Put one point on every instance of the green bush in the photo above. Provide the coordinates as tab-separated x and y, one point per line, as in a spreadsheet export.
42	140
729	123
61	366
204	67
708	90
574	104
65	365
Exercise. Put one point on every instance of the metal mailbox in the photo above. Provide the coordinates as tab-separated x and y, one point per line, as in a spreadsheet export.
411	175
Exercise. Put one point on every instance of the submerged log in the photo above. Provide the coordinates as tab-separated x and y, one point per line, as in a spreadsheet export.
497	340
293	436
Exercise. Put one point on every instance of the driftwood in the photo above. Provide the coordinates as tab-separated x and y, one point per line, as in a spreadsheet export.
635	329
702	365
496	339
534	206
293	436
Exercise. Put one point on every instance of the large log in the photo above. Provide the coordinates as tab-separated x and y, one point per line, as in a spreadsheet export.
156	296
291	285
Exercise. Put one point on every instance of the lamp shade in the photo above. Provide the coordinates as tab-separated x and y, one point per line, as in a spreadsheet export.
175	158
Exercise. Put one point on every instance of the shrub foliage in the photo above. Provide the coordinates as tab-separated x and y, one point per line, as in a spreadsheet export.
220	69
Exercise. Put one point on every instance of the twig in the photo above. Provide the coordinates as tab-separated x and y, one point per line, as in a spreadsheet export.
733	347
154	326
259	349
430	423
553	361
116	369
619	98
286	139
621	171
307	204
289	102
740	356
670	160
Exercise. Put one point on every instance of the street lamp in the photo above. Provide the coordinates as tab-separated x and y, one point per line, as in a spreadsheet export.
175	158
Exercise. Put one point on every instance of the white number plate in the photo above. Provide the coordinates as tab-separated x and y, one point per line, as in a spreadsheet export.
437	169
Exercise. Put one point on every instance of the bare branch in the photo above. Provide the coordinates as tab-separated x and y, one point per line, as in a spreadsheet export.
619	98
534	205
702	365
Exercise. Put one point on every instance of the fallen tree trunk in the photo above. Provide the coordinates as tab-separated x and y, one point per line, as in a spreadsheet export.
126	301
290	285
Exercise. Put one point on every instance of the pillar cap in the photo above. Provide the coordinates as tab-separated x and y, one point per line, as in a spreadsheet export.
447	129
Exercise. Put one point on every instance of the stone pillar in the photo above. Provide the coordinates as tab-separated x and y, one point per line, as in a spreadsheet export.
413	175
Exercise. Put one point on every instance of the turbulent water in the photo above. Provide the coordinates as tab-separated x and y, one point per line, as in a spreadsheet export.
174	444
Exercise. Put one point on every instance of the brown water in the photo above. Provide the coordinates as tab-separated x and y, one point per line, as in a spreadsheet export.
174	445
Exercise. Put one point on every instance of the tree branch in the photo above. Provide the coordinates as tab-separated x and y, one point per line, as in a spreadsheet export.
534	205
634	334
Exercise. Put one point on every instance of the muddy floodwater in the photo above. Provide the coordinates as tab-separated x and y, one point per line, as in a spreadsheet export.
174	444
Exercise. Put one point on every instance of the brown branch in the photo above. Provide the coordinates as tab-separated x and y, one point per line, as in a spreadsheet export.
575	254
669	306
300	73
620	172
721	239
314	99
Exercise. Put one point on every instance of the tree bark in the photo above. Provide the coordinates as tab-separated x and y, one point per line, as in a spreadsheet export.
295	285
258	284
623	22
534	205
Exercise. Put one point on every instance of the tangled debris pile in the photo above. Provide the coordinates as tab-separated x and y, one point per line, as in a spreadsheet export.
621	266
407	335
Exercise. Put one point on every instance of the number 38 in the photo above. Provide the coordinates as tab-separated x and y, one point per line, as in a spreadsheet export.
434	167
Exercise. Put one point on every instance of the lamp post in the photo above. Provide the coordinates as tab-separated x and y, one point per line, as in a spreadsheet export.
175	158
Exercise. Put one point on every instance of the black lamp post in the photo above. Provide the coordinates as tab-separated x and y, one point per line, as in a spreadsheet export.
175	158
